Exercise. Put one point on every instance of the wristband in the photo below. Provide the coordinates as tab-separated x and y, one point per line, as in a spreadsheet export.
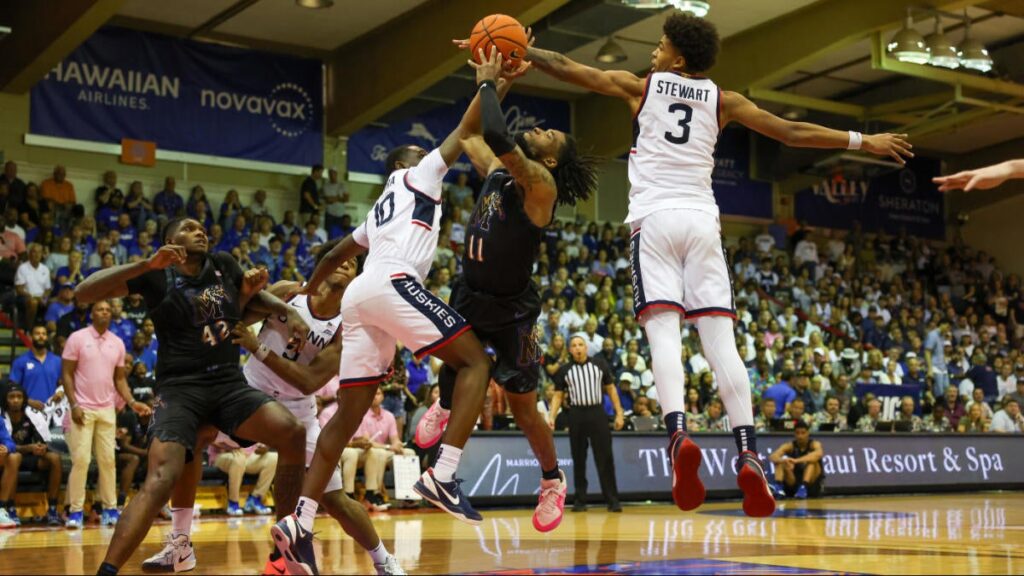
487	83
855	140
262	352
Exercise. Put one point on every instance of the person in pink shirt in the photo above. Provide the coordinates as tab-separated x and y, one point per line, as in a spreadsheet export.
374	446
236	462
93	376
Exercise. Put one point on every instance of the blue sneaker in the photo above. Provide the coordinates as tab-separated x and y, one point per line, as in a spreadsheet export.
295	544
74	520
801	492
52	517
778	491
447	496
254	505
233	509
109	517
12	513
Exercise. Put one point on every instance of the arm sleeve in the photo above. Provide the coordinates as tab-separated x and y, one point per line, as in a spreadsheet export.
360	237
495	130
428	176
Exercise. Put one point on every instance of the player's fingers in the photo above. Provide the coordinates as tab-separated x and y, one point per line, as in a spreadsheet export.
896	156
973	183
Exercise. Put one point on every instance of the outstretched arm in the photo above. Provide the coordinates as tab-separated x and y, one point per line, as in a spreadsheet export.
982	178
113	282
617	83
350	246
305	379
735	107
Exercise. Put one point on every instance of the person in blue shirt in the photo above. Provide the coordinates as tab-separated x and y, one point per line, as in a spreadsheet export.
108	217
124	328
61	305
38	370
419	373
10	461
782	393
239	230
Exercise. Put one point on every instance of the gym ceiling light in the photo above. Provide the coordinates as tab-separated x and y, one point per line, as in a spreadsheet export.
908	45
698	8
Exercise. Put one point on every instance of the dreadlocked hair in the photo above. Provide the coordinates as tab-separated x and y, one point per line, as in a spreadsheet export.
575	175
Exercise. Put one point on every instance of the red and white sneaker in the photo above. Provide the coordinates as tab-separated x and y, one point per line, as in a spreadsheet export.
551	504
431	426
758	501
687	489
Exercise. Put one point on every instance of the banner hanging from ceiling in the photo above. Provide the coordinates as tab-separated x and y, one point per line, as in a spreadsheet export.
368	147
904	198
736	193
186	96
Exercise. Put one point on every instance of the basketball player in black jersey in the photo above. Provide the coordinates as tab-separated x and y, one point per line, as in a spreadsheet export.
527	176
195	299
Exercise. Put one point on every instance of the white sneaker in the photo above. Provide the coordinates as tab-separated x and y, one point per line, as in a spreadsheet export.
390	567
177	556
5	519
431	426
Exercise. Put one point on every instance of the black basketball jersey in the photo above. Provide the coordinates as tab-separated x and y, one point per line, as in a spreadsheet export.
501	241
194	317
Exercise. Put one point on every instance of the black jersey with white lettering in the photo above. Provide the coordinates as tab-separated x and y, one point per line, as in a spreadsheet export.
194	317
501	241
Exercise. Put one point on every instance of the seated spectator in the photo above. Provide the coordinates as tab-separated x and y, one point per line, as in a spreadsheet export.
167	203
373	447
10	461
287	227
830	415
906	414
1009	420
12	245
694	406
937	422
714	418
59	306
37	371
798	469
30	433
869	421
59	190
782	393
32	282
763	420
236	461
132	444
978	397
797	412
974	421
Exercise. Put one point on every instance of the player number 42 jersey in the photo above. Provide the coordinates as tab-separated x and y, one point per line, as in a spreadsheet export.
674	136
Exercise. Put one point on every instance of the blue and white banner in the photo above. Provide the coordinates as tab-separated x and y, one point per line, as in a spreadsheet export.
368	147
890	396
186	96
735	192
902	198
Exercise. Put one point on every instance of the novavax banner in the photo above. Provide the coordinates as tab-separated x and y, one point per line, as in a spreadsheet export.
186	96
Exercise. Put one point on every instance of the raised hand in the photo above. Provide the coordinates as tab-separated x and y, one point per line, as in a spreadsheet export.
490	67
167	255
978	179
892	145
254	280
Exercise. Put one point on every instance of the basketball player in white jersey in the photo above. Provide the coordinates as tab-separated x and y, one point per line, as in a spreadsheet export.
292	377
387	303
678	265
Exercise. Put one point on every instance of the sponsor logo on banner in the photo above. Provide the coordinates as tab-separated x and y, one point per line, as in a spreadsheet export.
839	190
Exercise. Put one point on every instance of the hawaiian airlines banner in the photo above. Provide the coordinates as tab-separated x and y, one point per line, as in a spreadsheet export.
902	198
735	192
501	465
368	147
186	96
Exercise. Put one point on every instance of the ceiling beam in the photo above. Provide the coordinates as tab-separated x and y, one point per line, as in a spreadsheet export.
43	33
761	55
378	71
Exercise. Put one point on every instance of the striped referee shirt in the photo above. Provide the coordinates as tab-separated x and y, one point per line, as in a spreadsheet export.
584	382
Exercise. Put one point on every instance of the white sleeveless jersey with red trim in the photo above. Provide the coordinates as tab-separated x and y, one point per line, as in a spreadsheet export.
675	132
401	229
276	336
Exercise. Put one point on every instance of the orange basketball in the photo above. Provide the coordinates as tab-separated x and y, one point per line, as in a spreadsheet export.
502	31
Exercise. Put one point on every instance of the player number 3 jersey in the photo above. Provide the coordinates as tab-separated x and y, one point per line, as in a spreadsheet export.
674	136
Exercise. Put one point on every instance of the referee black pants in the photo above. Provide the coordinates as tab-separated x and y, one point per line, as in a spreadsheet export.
589	424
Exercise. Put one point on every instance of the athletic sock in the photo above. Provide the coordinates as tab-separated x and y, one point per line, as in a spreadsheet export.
52	502
306	511
447	462
107	569
675	422
551	474
746	439
181	521
379	554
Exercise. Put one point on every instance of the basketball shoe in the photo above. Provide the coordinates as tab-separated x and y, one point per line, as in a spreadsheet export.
550	504
447	496
431	426
177	556
109	517
390	567
275	566
687	489
295	544
757	495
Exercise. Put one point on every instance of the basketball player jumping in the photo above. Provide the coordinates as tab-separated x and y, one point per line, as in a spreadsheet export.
195	299
385	304
291	377
527	175
678	265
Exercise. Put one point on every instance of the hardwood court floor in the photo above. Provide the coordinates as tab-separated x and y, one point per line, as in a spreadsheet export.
954	533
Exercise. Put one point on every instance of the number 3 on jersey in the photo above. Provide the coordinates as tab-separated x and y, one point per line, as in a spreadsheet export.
684	123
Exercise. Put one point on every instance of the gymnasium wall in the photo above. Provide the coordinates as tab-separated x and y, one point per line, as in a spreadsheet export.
996	229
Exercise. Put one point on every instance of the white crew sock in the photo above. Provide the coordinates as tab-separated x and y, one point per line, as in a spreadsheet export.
306	511
181	521
447	463
379	554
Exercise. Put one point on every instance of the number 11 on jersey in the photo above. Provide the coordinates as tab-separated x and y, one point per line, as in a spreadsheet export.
478	244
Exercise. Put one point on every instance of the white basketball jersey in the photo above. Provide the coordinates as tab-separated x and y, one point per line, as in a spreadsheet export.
674	136
402	227
275	335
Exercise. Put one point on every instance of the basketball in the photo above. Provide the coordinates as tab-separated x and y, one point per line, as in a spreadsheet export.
502	31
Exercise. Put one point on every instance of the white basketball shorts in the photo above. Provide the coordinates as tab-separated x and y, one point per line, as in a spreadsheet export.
678	262
381	309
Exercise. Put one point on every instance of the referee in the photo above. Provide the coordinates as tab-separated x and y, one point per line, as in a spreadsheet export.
582	378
